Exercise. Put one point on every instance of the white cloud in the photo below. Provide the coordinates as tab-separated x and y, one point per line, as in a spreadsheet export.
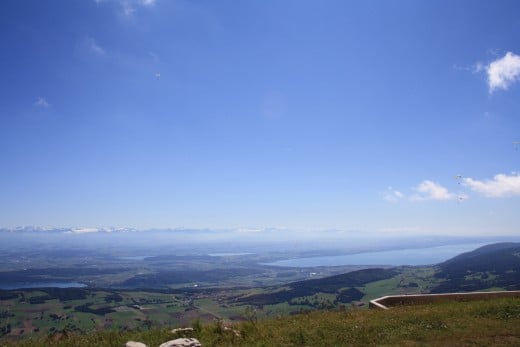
479	67
429	190
92	46
147	2
392	195
426	190
503	72
500	186
42	102
475	68
129	7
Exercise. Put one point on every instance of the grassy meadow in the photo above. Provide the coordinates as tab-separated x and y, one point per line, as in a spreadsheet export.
479	323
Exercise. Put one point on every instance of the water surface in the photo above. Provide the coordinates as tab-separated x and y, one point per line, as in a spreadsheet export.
9	286
227	254
415	256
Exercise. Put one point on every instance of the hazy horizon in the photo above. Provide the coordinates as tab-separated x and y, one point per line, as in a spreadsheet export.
159	241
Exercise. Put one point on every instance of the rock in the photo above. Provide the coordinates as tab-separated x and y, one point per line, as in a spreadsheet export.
182	330
234	331
135	344
182	343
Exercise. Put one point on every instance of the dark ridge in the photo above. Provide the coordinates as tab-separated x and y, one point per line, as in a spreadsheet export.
496	265
482	250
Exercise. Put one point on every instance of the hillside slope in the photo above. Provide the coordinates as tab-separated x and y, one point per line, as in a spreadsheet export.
478	323
491	266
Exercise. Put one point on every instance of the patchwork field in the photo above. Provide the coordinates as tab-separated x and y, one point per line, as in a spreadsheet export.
39	312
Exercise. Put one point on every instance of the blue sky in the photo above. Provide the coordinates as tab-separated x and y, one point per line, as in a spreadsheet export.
307	115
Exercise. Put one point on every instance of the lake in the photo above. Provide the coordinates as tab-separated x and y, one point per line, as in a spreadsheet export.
9	286
137	257
227	254
414	256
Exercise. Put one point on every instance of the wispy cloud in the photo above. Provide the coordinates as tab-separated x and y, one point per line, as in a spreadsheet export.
91	45
42	103
154	56
147	2
503	72
392	195
500	186
129	7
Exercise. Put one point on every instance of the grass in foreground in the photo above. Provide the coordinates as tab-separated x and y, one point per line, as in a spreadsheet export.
478	323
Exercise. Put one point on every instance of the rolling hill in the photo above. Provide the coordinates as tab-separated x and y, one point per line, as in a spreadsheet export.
492	266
